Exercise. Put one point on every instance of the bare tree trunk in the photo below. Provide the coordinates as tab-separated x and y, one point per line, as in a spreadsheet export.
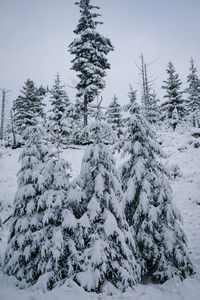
13	130
2	113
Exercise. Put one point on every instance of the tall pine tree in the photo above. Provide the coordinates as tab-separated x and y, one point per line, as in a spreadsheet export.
193	91
173	96
90	49
160	242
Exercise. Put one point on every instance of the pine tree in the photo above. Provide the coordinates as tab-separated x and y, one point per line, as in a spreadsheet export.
193	91
173	95
54	186
90	49
114	116
132	95
22	257
149	209
153	113
60	121
106	261
27	106
36	245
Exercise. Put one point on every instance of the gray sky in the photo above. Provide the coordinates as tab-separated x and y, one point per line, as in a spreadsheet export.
34	36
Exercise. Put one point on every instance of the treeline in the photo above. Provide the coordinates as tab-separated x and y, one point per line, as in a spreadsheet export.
65	119
90	50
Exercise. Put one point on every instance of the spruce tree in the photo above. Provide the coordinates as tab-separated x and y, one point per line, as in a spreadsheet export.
153	112
193	91
28	106
54	186
132	95
160	242
22	257
173	95
90	49
36	245
114	116
60	121
105	242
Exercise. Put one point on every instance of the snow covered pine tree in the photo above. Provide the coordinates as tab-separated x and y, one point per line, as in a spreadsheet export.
173	95
149	209
90	49
35	245
27	106
54	186
114	116
193	91
23	247
107	261
60	121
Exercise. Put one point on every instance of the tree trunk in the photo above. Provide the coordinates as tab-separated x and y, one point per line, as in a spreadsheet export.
13	130
2	114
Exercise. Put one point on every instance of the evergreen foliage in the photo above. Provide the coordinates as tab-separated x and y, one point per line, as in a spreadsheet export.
28	106
22	257
77	130
106	261
160	242
193	91
132	95
36	244
60	121
153	110
173	95
54	186
149	100
114	116
90	49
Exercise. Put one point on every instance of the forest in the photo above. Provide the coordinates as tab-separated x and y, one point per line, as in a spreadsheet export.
101	200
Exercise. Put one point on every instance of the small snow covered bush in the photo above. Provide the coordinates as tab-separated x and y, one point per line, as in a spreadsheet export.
175	171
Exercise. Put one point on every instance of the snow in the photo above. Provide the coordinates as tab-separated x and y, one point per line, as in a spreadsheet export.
186	193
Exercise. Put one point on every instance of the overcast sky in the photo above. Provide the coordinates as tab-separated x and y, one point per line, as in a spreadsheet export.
35	34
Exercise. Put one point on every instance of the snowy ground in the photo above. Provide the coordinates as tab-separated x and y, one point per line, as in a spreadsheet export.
186	191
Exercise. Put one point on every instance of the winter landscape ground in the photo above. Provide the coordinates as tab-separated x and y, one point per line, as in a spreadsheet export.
183	159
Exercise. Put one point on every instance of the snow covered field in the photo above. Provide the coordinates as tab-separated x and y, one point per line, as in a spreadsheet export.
185	160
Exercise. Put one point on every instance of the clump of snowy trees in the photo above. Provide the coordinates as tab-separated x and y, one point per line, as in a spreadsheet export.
107	229
101	230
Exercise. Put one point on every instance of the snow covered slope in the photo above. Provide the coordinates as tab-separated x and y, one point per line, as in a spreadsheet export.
183	160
